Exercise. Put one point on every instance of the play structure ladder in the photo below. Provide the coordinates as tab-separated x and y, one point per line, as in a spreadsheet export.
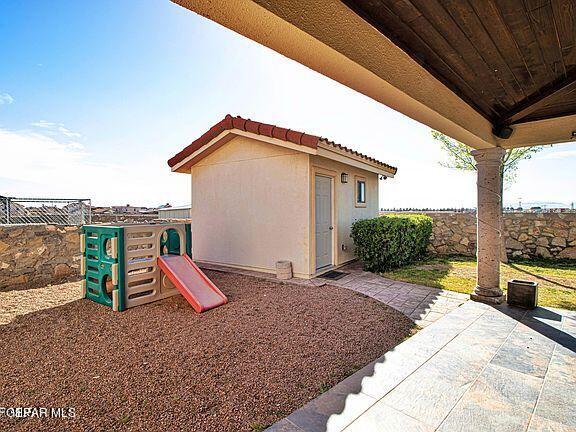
192	283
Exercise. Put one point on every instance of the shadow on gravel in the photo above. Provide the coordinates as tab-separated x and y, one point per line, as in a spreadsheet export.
39	285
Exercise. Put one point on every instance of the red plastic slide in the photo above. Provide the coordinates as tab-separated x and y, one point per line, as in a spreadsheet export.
194	285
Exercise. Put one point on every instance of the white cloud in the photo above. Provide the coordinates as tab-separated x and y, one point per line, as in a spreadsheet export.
36	164
6	99
56	128
33	157
43	123
75	145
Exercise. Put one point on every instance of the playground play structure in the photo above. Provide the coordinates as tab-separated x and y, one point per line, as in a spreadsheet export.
129	265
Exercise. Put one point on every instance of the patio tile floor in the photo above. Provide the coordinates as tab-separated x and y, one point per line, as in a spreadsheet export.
422	304
473	367
478	368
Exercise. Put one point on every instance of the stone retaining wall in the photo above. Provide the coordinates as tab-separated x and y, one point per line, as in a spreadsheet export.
38	255
527	235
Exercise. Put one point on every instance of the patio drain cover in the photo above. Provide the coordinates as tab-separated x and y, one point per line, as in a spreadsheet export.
334	275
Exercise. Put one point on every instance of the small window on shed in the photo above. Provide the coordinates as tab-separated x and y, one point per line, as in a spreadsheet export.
360	192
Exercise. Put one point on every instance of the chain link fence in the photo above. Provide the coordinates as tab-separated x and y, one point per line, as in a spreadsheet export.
56	211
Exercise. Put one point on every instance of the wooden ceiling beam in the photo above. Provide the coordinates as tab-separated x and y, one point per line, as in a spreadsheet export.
532	104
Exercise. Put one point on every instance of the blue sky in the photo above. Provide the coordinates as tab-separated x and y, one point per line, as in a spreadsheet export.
96	96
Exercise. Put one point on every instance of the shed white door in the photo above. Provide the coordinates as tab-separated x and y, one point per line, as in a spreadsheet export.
323	212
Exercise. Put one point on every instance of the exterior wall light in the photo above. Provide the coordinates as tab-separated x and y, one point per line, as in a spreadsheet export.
344	178
502	131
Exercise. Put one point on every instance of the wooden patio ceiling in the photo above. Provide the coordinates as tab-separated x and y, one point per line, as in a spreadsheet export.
513	61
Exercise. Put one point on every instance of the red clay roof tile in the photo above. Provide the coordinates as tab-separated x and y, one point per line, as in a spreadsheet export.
252	126
271	131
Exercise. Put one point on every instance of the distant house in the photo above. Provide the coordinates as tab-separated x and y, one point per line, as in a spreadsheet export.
127	209
182	212
261	194
101	210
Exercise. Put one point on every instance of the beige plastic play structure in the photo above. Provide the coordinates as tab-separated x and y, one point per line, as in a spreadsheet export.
144	281
120	262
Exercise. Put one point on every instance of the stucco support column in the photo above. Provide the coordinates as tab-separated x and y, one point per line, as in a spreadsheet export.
489	215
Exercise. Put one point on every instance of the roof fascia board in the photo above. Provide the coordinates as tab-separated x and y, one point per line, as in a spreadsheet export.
275	141
349	160
557	130
339	155
176	168
225	135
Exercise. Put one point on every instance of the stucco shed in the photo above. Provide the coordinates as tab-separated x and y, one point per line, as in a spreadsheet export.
262	193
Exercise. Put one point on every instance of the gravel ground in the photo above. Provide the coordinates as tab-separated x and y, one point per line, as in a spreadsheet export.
162	367
23	301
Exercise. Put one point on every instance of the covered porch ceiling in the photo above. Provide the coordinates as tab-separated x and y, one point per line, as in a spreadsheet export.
475	70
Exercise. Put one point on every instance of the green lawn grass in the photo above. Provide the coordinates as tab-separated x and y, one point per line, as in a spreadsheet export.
556	280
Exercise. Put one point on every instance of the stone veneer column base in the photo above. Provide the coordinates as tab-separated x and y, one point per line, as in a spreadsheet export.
490	296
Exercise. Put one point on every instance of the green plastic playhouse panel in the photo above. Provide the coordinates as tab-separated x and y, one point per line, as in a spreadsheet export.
99	263
188	229
170	242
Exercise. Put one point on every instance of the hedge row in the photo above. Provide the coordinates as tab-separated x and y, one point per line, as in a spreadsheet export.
391	241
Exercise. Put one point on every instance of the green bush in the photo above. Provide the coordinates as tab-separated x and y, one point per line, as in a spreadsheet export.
388	242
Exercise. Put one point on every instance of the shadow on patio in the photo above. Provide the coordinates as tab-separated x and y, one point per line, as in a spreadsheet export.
422	304
478	368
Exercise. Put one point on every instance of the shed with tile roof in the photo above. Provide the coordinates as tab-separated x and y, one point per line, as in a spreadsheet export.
262	194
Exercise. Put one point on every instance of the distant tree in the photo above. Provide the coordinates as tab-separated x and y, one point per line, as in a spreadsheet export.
460	157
